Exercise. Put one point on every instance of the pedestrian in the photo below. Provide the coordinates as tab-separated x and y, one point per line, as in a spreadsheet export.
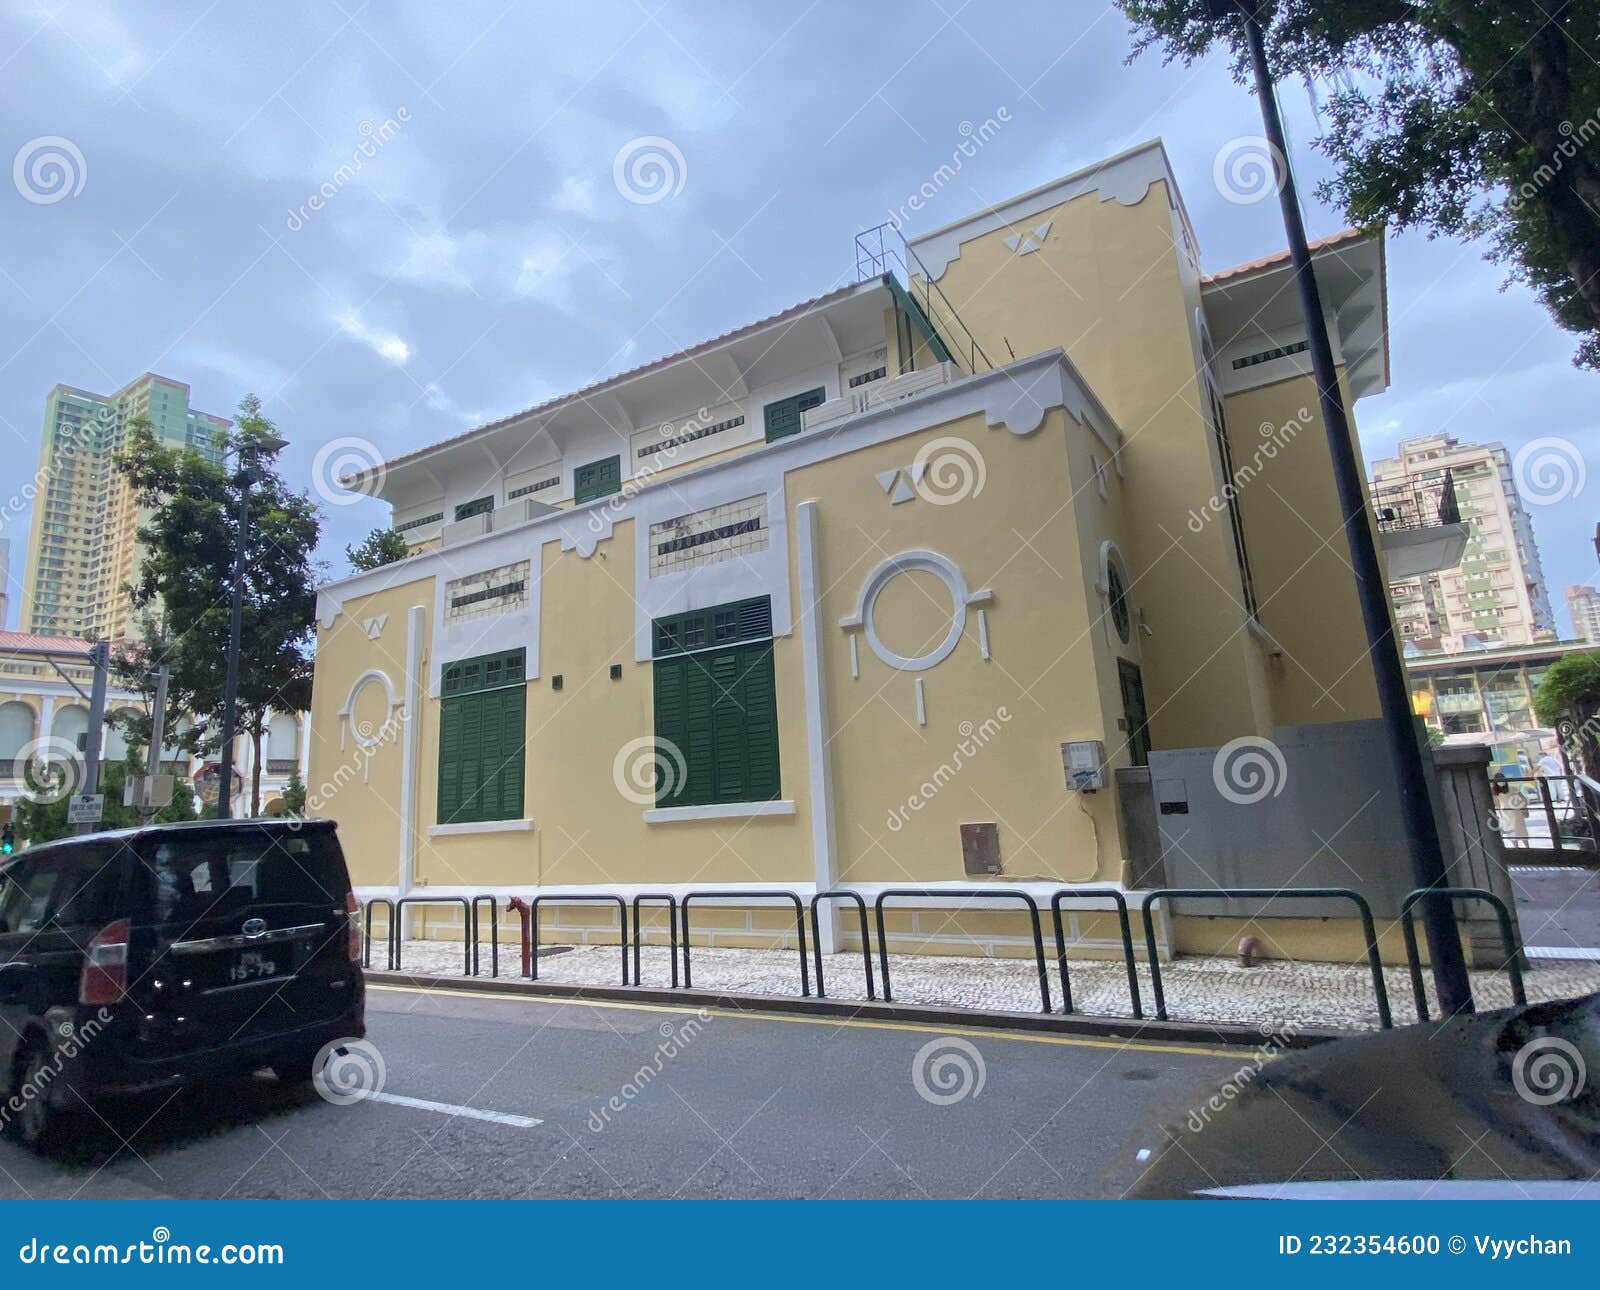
1511	808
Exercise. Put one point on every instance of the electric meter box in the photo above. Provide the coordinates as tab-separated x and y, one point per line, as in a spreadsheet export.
1084	762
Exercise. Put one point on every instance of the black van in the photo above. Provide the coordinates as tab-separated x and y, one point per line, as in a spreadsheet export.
173	953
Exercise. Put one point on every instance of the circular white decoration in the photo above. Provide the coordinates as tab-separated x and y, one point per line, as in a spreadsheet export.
369	738
913	562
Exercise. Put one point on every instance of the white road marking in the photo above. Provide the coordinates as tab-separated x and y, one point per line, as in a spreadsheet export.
448	1108
1561	952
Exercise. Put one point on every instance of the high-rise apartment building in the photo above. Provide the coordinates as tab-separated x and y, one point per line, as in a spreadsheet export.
1583	603
1496	595
83	546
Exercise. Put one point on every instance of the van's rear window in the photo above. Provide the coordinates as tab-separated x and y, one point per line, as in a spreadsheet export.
217	872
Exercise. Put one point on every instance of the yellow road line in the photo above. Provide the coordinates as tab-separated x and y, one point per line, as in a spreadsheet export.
860	1023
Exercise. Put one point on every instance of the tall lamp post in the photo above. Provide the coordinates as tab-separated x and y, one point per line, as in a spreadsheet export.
248	452
1422	830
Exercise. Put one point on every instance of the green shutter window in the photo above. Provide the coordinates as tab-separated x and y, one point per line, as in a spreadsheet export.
783	417
477	506
716	705
597	479
482	737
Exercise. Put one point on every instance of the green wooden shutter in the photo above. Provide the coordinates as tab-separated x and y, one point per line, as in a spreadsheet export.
761	724
671	721
783	417
482	738
596	479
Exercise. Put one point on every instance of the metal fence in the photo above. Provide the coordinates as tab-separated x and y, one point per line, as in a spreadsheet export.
679	932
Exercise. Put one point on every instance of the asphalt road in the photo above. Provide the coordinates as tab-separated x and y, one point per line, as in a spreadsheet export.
652	1102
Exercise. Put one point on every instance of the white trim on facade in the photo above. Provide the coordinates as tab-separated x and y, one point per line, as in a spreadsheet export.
479	826
717	811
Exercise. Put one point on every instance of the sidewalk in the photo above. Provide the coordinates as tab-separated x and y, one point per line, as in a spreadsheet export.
1269	996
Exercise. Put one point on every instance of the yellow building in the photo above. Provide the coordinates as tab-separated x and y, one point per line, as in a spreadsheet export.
891	588
82	545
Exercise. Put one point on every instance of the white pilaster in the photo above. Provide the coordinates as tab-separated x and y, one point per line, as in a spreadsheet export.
824	860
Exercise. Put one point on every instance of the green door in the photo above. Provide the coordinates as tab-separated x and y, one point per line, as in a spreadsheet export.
783	417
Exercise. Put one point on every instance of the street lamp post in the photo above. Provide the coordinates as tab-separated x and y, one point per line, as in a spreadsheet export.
248	455
1422	830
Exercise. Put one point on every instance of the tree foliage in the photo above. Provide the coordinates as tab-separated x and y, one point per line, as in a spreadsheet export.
1461	117
45	821
378	548
189	540
1571	687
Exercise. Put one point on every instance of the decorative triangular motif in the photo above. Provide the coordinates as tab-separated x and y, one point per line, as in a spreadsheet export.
886	479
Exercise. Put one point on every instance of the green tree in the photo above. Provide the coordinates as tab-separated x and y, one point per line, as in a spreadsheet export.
189	539
294	795
45	821
1570	691
378	548
1462	117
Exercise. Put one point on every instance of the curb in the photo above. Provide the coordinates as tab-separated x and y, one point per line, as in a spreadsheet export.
939	1016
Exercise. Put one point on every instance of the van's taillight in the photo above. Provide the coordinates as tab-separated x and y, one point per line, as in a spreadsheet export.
105	968
353	911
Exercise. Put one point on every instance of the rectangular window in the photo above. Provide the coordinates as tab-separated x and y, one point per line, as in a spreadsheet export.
783	417
1241	554
475	507
597	479
482	733
716	711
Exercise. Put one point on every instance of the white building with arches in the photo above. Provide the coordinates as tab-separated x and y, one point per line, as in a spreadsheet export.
44	715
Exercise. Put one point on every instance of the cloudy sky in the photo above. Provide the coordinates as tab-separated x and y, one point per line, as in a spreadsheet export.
482	256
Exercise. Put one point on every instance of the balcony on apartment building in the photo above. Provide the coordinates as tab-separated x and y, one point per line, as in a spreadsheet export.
1419	526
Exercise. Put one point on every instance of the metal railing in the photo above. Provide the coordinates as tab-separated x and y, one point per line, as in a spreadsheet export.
1412	504
883	252
366	942
494	936
1508	939
1374	961
671	902
396	940
1562	815
1107	893
961	893
799	926
816	937
581	898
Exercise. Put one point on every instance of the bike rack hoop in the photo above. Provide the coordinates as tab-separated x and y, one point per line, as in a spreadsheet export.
1095	893
577	898
799	926
816	936
466	926
1508	939
963	893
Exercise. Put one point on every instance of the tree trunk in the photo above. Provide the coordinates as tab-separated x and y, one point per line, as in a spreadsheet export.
1575	183
255	771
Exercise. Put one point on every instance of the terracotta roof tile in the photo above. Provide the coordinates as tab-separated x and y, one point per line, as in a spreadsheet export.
1282	257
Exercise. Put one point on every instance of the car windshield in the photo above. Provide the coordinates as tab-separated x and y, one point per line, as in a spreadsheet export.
216	872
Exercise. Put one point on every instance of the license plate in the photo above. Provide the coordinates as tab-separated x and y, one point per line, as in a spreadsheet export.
252	965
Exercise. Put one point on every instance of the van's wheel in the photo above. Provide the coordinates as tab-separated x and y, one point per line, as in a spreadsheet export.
297	1066
37	1121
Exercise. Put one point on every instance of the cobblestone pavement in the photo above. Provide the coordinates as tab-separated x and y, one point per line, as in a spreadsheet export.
1272	996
